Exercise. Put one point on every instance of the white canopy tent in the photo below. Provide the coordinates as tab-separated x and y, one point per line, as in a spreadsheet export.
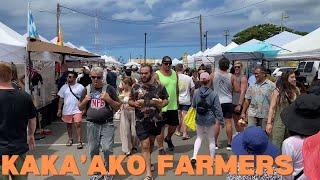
110	60
231	46
282	38
132	63
176	61
12	45
305	47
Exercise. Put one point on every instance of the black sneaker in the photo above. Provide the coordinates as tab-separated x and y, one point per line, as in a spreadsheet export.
170	145
193	163
162	152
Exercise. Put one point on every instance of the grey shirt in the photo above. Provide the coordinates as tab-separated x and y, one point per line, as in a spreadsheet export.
223	87
215	111
100	111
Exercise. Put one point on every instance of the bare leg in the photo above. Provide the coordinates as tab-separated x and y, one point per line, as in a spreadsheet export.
160	138
216	132
229	129
180	121
183	125
171	130
69	130
78	129
146	155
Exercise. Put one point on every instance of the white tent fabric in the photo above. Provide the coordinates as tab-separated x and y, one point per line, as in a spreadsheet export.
11	37
132	63
70	45
83	49
308	42
252	41
283	38
110	59
231	46
176	61
12	45
219	48
54	40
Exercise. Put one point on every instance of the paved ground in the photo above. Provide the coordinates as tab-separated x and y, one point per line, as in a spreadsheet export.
55	144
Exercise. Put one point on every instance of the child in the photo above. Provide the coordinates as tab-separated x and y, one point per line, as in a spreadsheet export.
207	104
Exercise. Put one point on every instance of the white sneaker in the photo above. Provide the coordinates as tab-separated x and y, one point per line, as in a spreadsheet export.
229	148
217	147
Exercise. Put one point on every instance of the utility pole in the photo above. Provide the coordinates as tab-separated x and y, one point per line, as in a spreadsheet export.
96	31
200	26
206	37
284	15
145	48
226	34
58	18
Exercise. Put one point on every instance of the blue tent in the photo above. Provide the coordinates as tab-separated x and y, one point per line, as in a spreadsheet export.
266	49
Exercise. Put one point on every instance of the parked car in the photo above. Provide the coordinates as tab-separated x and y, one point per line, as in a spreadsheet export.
308	69
278	71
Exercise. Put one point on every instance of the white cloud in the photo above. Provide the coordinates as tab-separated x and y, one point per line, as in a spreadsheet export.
190	4
132	15
150	3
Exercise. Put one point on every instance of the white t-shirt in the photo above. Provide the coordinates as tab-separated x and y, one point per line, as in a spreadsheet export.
185	85
292	146
70	105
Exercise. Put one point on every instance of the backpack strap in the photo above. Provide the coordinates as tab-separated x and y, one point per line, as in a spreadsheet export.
298	175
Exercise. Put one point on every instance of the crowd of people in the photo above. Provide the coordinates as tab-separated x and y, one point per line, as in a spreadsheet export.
269	116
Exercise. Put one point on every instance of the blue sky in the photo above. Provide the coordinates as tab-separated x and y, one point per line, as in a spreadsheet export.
122	39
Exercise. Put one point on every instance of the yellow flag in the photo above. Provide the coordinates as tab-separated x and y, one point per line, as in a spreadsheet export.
60	37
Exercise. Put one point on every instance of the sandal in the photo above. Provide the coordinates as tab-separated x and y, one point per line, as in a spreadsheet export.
80	145
70	142
148	178
177	133
186	138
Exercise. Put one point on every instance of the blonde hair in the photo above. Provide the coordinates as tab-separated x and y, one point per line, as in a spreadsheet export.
5	72
238	62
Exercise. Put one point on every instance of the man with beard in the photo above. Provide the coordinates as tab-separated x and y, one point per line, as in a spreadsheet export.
148	97
169	79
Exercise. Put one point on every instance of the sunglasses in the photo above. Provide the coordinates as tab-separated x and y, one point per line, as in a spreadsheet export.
70	77
96	77
237	67
167	63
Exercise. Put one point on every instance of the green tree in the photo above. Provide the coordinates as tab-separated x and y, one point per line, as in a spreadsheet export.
261	32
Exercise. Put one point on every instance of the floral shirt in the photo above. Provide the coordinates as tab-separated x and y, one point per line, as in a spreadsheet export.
260	96
147	92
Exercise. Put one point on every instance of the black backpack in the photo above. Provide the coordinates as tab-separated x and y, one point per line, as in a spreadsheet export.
203	107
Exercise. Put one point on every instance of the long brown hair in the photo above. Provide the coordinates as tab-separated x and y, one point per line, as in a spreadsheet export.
287	91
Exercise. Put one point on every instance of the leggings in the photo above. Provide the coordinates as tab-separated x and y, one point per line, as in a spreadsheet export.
204	132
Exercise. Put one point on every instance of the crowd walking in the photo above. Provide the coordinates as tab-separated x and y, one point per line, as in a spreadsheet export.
260	117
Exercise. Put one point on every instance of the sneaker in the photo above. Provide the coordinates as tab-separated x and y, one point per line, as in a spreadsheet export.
170	145
229	147
97	177
217	147
108	177
162	152
152	168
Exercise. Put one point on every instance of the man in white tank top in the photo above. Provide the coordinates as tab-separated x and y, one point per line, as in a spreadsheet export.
224	84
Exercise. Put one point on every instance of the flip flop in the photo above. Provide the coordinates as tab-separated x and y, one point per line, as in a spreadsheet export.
70	142
178	133
80	145
186	138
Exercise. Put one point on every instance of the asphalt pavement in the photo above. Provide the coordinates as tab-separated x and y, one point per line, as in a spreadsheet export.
55	144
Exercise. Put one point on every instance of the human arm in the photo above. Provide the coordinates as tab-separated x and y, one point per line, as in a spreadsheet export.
59	113
111	98
84	100
32	124
272	109
218	110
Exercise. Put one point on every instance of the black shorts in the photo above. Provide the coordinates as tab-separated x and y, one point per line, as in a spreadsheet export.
171	117
184	107
227	110
146	129
234	108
